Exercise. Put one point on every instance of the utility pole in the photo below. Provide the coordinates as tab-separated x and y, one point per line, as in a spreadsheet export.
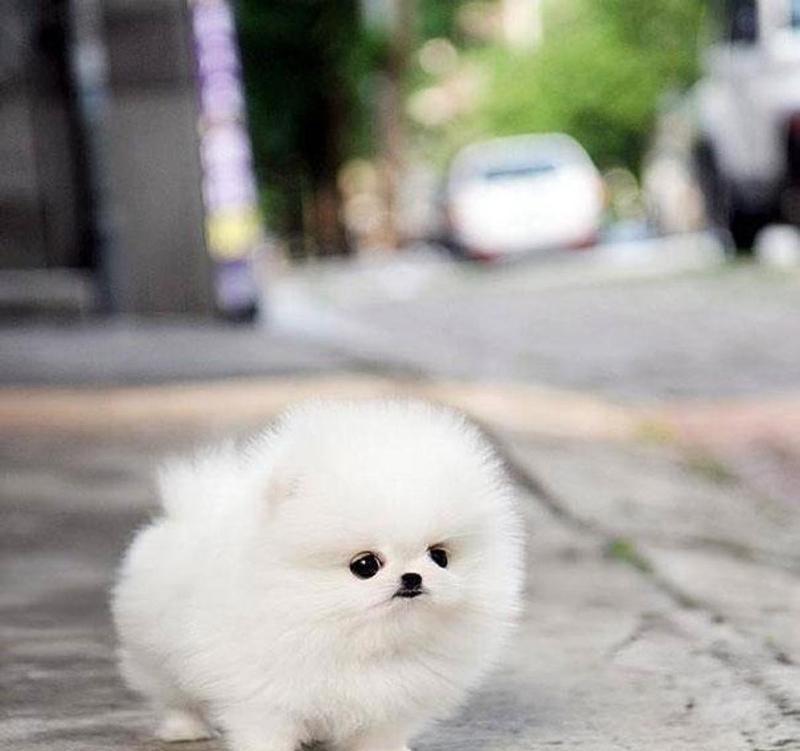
396	18
89	72
400	41
233	226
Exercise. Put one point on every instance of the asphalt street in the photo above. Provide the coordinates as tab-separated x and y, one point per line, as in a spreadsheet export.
701	330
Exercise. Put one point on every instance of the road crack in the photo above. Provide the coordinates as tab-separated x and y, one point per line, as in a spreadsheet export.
538	489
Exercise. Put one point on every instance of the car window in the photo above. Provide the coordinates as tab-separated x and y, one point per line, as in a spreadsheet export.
518	171
742	17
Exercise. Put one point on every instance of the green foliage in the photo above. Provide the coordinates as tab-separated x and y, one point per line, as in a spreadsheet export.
624	550
436	18
598	75
309	70
305	65
710	468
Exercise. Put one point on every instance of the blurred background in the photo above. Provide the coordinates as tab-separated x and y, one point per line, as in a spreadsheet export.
575	220
166	156
477	188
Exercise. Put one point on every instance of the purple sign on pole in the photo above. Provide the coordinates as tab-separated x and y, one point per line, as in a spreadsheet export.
233	224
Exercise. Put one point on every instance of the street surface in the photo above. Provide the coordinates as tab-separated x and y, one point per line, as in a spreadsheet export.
651	419
704	330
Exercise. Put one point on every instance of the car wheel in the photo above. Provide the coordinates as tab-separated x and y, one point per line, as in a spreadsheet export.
739	226
744	227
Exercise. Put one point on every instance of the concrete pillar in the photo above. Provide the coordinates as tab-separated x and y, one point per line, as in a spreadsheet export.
161	264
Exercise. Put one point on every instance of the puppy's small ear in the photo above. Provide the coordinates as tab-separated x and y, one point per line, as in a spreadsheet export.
282	485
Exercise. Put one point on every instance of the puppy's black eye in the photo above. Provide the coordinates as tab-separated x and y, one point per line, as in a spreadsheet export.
365	565
438	556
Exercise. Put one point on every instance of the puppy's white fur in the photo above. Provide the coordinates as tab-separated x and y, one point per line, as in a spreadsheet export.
237	609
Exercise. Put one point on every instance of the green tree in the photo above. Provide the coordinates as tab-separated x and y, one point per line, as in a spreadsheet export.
598	75
305	62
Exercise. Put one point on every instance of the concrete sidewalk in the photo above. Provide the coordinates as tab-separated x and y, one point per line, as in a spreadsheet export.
663	598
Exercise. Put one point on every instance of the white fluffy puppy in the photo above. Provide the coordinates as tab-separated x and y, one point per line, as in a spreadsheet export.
345	578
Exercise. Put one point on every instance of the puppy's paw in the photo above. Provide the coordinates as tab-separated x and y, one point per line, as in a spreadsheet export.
178	725
379	742
256	728
261	742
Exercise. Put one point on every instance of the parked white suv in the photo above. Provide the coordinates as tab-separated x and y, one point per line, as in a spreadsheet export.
748	110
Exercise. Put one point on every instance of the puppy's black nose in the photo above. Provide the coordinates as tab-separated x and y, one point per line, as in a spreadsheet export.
411	581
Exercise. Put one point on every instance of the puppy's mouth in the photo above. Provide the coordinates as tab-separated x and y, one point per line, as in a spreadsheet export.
409	593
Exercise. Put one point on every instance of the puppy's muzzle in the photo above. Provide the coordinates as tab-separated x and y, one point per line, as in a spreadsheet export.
410	586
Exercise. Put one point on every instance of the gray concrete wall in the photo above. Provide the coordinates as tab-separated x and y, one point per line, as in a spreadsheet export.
160	263
149	160
38	198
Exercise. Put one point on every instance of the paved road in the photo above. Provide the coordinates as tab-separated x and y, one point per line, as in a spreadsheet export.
135	351
634	323
718	332
662	610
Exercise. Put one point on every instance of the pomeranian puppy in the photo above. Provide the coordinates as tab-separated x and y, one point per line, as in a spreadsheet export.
344	578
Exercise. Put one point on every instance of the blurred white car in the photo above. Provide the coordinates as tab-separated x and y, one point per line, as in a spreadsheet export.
514	195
